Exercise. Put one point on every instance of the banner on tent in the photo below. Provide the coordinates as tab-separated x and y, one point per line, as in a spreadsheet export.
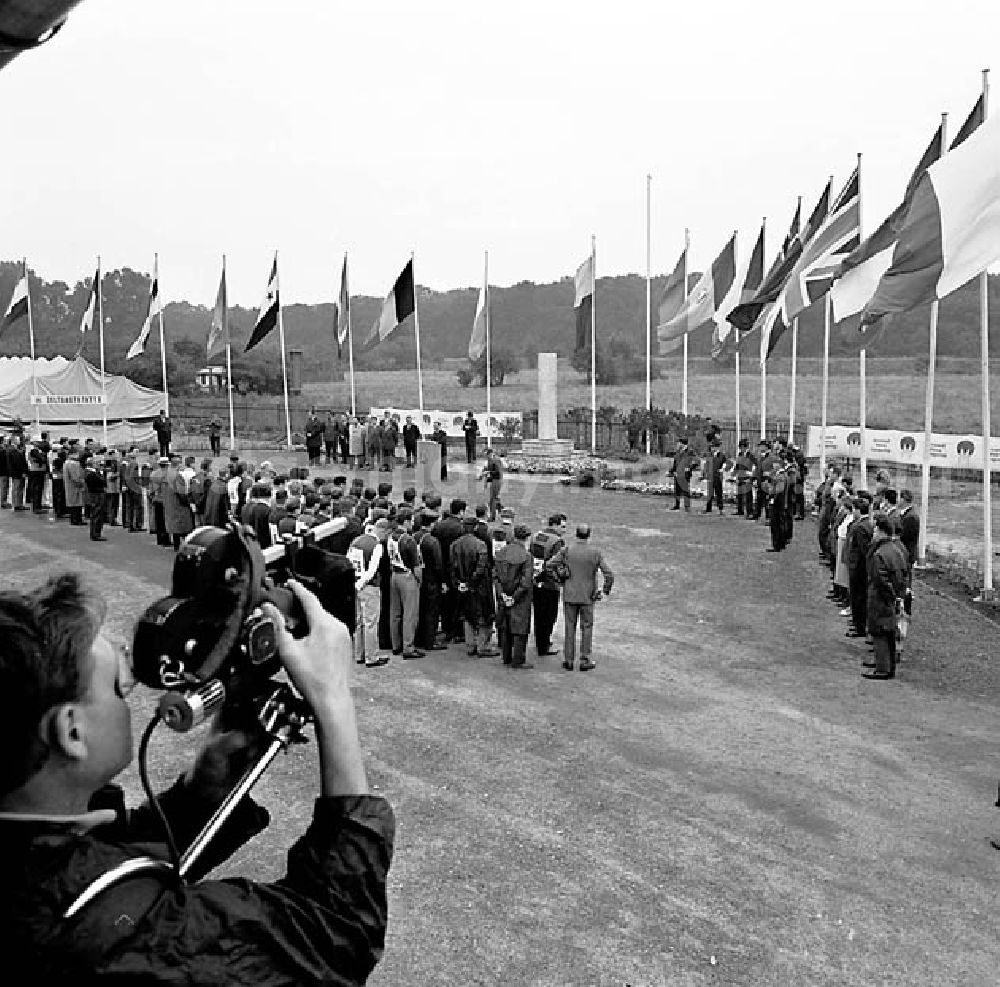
451	421
905	448
69	399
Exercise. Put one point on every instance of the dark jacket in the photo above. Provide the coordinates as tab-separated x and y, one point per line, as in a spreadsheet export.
257	515
512	574
909	532
324	921
859	539
216	511
887	569
410	436
447	531
17	465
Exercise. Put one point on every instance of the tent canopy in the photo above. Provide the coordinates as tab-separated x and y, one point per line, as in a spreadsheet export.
70	393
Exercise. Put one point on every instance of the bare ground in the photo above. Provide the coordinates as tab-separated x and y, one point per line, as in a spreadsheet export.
723	801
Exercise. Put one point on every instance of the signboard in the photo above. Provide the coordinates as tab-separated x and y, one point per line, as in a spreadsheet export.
63	399
905	448
451	421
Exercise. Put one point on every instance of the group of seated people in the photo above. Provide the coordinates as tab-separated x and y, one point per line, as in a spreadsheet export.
869	540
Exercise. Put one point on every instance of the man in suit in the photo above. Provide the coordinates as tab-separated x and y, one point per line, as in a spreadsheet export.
73	486
909	525
96	484
440	436
315	430
411	435
681	470
545	598
887	565
744	467
715	460
163	429
580	592
471	429
512	579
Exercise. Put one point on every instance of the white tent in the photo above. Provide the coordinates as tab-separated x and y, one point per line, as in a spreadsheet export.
66	396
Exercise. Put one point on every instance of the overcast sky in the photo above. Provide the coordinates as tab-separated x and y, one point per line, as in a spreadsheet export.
200	127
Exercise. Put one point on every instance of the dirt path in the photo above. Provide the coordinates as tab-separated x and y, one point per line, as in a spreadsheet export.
724	801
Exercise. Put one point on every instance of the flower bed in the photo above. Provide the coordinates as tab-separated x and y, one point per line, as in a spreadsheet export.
556	465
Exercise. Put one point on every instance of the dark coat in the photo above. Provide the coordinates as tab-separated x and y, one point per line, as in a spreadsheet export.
887	568
217	504
909	532
176	514
410	436
512	574
470	566
859	539
447	531
323	921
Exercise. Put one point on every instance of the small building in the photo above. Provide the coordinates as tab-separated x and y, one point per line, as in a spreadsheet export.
211	379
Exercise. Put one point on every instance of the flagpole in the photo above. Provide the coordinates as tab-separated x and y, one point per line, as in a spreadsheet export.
925	458
987	594
737	398
593	346
649	315
489	355
862	372
31	340
229	357
827	309
100	316
763	396
684	372
284	369
791	392
416	336
350	338
163	345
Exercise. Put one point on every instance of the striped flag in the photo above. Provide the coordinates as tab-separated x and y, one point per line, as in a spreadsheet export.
821	256
267	314
18	306
342	311
674	291
152	309
703	303
861	270
398	305
477	341
87	320
746	284
583	301
747	315
218	332
951	232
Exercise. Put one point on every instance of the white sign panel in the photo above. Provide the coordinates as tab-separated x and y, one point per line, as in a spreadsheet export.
451	421
905	448
63	399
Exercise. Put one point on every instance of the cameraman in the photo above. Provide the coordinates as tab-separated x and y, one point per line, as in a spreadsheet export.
65	731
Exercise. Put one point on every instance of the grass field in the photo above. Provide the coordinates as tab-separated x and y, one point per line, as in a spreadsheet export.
724	801
892	401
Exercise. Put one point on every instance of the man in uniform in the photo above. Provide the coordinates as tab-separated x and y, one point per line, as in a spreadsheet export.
512	578
744	467
680	470
366	554
715	460
93	478
545	596
163	428
471	429
760	480
886	566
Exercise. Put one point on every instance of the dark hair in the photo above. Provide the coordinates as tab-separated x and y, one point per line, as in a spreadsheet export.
555	520
410	494
480	510
47	636
457	506
260	490
890	495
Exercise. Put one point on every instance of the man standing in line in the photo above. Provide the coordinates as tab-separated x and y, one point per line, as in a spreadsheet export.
471	429
512	577
440	436
315	430
580	593
411	435
73	485
470	579
761	480
390	437
859	539
374	439
886	584
433	583
744	467
163	429
404	612
176	513
57	460
545	595
680	470
715	460
113	495
366	554
331	434
447	531
37	467
93	478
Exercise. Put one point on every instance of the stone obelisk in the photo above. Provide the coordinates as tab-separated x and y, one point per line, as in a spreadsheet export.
548	442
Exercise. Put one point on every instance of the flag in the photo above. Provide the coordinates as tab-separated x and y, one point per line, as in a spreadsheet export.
18	307
747	315
342	311
583	301
477	342
951	232
864	266
746	284
821	256
218	332
972	122
398	305
87	321
267	314
703	302
771	327
674	291
152	309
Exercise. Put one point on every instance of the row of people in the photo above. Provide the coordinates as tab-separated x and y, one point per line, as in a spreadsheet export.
869	541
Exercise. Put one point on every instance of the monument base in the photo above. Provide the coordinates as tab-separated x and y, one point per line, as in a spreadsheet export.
547	448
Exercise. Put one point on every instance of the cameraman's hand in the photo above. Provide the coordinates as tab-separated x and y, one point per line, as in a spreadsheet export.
319	663
222	762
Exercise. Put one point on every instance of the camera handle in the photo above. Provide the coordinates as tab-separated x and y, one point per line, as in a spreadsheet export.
283	717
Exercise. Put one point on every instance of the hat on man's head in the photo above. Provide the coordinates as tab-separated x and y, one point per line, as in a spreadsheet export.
521	531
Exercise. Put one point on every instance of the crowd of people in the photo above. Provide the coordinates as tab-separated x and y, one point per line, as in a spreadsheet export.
427	577
869	540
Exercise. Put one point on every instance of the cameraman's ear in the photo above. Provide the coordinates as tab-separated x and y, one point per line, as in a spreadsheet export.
61	728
